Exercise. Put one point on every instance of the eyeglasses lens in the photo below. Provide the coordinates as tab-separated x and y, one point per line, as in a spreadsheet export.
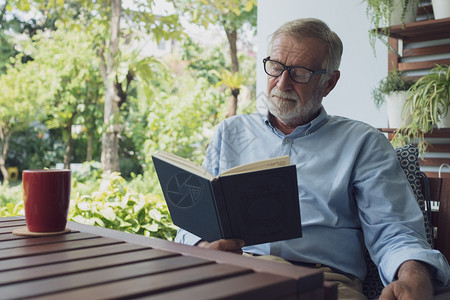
298	74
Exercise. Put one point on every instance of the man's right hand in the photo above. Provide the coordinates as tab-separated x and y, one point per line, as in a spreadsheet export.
231	245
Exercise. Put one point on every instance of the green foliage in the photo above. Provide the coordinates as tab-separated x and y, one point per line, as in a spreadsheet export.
10	209
24	88
379	13
431	97
171	104
233	81
229	13
13	23
35	148
89	173
10	196
202	61
429	102
106	202
79	81
395	81
179	122
115	207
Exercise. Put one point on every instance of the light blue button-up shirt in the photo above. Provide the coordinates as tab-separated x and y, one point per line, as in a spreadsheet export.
352	193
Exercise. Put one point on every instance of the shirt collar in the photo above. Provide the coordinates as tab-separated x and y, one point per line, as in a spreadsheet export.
302	130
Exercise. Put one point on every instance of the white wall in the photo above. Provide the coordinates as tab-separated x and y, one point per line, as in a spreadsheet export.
360	69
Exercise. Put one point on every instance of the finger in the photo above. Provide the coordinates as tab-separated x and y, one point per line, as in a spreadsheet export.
229	244
387	293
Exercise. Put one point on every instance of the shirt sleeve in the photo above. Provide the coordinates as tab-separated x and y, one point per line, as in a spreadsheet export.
391	219
187	238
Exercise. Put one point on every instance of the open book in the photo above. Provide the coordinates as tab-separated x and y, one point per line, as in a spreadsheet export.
256	202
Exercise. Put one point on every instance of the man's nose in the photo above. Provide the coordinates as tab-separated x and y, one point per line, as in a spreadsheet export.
284	81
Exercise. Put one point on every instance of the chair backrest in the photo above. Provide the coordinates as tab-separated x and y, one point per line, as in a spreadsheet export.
408	157
440	218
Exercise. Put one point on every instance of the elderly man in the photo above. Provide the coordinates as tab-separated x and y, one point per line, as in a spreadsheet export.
353	193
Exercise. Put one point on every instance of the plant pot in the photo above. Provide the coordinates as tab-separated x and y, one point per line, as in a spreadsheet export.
410	16
441	9
397	116
444	122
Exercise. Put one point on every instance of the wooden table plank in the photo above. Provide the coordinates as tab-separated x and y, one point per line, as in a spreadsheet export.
8	219
307	279
51	248
27	289
71	255
11	237
9	229
13	223
146	285
92	262
251	286
65	268
43	240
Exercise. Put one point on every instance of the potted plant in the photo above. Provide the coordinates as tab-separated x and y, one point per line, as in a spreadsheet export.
428	103
393	90
441	9
385	13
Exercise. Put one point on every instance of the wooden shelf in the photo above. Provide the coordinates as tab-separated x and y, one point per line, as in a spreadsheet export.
436	133
425	56
421	30
413	49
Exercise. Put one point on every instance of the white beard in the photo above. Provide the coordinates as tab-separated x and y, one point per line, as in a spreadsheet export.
292	112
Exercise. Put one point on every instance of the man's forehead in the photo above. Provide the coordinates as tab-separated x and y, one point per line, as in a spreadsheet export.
292	49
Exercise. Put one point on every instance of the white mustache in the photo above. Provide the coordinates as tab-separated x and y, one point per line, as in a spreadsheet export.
285	95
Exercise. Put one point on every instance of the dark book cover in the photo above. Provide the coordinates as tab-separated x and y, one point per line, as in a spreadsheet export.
190	200
257	207
263	206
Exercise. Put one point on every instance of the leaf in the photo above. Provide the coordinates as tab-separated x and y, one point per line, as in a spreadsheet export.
84	206
155	214
123	223
153	227
82	220
98	221
108	213
248	6
141	215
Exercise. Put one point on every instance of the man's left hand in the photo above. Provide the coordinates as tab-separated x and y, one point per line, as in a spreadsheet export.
414	282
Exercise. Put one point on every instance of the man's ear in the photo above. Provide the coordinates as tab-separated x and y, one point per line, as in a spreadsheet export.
331	83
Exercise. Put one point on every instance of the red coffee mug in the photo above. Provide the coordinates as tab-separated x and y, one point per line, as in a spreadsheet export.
46	195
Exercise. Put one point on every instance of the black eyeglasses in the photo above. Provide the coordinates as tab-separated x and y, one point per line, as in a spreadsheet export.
298	74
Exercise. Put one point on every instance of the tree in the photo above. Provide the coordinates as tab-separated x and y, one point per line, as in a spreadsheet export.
12	24
108	69
23	92
112	26
233	16
78	81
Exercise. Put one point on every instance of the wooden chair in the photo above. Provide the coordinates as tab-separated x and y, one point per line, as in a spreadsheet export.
440	192
425	188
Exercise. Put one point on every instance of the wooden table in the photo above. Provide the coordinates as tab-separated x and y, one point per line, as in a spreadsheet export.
97	263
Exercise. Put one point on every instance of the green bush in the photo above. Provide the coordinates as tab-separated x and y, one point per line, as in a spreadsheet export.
106	202
114	206
9	195
11	203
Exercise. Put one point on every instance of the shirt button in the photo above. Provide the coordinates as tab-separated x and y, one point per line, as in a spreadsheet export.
287	140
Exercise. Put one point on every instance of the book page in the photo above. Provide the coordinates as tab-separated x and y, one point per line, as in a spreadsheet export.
270	163
183	164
